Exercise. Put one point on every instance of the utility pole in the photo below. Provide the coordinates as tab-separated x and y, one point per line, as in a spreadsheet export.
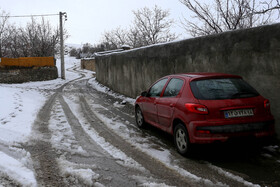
61	14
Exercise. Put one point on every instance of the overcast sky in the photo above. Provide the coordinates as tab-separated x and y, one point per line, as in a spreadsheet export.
88	19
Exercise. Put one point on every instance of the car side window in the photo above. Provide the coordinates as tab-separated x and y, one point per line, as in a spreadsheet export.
156	89
173	88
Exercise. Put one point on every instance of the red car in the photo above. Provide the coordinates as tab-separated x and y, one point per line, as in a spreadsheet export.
204	108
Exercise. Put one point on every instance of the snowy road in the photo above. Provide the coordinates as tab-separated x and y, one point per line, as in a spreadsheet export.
78	133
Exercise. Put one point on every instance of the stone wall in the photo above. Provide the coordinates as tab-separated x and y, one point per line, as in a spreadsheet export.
20	75
88	64
252	53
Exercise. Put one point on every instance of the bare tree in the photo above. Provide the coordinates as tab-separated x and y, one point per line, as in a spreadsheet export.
150	26
116	38
134	38
41	38
13	47
224	15
3	30
153	25
36	39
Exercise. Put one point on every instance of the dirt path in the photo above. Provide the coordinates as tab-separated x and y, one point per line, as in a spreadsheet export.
109	169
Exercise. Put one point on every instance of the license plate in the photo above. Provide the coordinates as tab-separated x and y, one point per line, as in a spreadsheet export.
238	113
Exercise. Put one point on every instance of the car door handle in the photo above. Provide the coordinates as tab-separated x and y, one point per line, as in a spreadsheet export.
172	105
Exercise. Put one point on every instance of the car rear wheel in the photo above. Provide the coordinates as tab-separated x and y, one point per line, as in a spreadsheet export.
139	117
181	139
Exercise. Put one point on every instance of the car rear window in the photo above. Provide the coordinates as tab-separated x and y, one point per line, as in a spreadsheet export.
224	88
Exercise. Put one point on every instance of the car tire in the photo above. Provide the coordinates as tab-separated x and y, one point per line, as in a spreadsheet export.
181	139
139	117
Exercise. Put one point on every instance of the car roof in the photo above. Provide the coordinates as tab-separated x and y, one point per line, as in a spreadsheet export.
203	75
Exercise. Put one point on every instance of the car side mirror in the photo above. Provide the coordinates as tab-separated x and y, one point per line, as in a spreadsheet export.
144	94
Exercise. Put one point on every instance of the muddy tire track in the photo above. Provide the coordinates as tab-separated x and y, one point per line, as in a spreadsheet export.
42	153
156	168
111	173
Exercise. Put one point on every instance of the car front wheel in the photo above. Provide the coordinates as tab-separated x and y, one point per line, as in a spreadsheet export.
181	139
139	117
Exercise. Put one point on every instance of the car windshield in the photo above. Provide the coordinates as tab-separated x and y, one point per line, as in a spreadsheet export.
225	88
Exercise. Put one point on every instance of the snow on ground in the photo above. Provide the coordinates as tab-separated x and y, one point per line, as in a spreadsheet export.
19	107
99	87
122	158
232	176
16	170
62	137
163	155
76	170
20	104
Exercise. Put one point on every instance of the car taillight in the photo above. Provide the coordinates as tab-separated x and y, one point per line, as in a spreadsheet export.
267	104
196	108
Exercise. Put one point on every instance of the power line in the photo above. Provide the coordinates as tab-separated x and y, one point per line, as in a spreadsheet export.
21	16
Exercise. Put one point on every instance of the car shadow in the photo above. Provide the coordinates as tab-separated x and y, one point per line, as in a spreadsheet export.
255	160
248	157
236	149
